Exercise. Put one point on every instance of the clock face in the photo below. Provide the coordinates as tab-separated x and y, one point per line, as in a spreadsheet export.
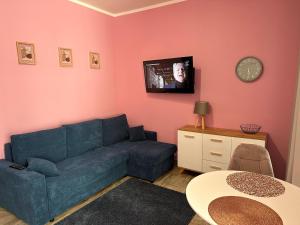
249	69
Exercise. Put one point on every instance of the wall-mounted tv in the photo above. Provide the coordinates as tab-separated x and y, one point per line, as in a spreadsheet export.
175	75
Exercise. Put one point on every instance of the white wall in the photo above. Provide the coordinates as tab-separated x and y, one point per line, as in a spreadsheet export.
293	172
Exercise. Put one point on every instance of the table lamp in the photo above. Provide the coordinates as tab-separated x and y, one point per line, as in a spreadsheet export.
201	108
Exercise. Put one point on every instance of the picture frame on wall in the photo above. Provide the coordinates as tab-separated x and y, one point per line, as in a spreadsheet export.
94	60
65	57
26	53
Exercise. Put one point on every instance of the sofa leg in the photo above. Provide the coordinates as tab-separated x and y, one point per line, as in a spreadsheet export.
52	220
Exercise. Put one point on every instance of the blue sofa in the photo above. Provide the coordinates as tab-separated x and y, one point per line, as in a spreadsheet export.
88	155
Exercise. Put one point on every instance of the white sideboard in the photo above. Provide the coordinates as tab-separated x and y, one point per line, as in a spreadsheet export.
211	149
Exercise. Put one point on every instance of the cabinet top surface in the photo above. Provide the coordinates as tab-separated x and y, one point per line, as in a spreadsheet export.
225	132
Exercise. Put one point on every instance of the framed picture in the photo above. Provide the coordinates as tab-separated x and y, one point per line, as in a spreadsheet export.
26	53
94	60
65	57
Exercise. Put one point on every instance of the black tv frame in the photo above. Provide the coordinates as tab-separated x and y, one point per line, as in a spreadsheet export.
191	74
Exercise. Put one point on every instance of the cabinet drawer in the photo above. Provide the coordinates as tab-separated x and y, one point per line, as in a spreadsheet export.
190	150
216	148
209	166
237	141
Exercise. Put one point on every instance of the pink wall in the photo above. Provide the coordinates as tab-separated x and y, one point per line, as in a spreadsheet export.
217	34
46	95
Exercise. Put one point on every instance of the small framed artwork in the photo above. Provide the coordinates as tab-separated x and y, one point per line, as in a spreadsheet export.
94	60
65	57
26	53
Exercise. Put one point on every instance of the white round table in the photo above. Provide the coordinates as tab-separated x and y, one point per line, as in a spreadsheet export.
203	189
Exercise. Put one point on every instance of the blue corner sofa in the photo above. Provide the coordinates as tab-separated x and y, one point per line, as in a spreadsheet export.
89	156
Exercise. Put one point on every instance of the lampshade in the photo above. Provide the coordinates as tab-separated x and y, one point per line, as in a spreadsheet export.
201	108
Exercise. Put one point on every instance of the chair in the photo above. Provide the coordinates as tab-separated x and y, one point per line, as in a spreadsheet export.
251	158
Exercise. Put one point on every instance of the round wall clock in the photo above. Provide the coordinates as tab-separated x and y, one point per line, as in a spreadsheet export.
249	69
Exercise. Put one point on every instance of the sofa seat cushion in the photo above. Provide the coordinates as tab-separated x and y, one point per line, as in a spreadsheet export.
146	153
77	173
45	144
84	136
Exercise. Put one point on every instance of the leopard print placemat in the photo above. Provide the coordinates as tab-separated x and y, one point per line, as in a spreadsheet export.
255	184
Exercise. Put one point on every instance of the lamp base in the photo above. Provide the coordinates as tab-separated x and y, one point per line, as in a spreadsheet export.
197	121
202	122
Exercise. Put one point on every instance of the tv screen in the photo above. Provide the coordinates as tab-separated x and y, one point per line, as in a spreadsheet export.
175	75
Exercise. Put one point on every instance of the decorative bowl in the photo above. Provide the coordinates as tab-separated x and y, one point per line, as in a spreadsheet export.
250	128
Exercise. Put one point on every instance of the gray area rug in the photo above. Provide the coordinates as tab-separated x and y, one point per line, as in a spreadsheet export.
135	202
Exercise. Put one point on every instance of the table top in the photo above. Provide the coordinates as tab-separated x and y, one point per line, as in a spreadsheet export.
203	189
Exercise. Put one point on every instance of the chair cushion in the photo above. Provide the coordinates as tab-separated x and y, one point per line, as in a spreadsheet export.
115	129
146	153
43	166
79	172
46	144
84	136
137	133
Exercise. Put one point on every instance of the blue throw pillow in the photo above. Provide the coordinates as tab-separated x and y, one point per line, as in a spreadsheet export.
137	133
43	166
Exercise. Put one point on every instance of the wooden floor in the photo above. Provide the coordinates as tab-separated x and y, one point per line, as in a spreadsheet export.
176	180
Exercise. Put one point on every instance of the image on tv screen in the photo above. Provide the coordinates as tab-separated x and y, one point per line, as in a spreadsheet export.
169	74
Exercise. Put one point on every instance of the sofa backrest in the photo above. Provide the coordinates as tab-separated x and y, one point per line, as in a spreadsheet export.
83	137
8	152
67	141
115	129
45	144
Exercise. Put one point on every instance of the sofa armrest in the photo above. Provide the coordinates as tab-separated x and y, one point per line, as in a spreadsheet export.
151	135
24	193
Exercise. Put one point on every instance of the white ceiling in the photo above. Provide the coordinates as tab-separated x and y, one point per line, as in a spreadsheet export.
122	7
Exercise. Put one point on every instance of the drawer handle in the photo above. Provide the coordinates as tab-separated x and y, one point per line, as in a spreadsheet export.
216	140
216	153
216	167
189	136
